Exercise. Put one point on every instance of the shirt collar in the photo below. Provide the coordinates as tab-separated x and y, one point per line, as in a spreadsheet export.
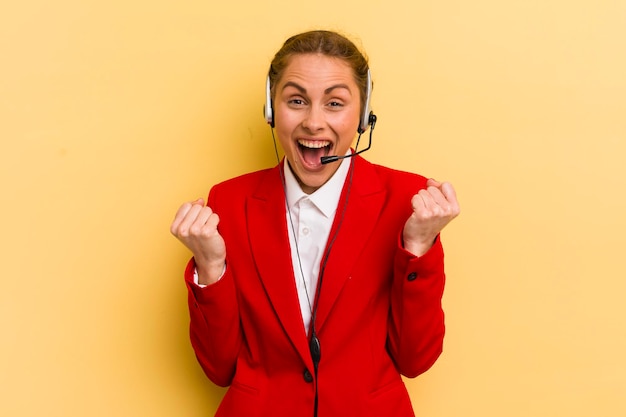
325	198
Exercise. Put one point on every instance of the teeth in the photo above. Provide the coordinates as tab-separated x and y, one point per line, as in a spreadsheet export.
315	144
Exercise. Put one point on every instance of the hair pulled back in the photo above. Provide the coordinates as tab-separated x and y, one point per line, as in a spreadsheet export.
324	42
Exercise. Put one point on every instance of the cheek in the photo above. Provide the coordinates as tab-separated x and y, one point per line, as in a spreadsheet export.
348	123
283	128
285	120
347	128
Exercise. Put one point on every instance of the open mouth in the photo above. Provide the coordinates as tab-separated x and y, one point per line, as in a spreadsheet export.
313	150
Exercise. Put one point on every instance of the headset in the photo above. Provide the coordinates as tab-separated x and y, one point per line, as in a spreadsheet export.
366	119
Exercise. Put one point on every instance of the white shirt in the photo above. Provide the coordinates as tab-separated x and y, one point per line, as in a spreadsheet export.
309	220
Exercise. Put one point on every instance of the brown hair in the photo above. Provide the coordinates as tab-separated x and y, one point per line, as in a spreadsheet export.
324	42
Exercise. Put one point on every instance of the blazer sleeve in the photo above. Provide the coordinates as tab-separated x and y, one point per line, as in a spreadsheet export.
215	329
214	326
416	319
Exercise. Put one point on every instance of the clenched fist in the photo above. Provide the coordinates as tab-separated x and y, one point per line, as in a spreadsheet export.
195	225
433	208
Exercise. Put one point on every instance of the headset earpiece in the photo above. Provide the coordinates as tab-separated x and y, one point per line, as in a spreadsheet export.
367	117
268	110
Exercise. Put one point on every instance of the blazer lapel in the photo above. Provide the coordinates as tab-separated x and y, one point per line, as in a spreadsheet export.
266	217
365	199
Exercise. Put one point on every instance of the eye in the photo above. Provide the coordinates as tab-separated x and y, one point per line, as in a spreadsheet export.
335	104
296	102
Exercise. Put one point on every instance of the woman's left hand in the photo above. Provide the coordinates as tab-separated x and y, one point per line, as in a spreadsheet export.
433	208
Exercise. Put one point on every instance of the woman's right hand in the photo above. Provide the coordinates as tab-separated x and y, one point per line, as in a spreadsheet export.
195	225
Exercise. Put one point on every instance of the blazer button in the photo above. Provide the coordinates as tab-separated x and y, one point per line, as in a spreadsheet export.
412	276
308	378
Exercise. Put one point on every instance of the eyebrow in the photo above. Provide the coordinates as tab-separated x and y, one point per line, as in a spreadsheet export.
327	91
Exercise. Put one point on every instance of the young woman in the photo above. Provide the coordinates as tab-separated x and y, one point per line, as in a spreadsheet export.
314	286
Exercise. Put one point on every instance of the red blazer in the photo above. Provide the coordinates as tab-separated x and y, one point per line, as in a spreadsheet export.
379	313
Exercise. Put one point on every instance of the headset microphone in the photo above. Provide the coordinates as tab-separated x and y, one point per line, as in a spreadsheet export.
328	159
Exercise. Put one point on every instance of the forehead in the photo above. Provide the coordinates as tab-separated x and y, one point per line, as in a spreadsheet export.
317	69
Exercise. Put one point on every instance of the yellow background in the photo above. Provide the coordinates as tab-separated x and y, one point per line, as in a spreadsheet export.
114	113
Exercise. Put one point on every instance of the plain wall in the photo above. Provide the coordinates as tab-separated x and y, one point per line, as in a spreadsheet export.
114	113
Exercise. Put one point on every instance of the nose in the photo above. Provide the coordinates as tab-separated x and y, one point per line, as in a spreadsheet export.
314	119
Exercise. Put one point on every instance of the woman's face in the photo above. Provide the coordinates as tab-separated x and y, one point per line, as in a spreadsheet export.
316	106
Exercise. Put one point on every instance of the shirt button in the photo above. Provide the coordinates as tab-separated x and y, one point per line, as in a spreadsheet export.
412	276
305	231
307	376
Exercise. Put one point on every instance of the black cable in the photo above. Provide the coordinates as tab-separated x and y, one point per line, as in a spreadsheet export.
314	343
